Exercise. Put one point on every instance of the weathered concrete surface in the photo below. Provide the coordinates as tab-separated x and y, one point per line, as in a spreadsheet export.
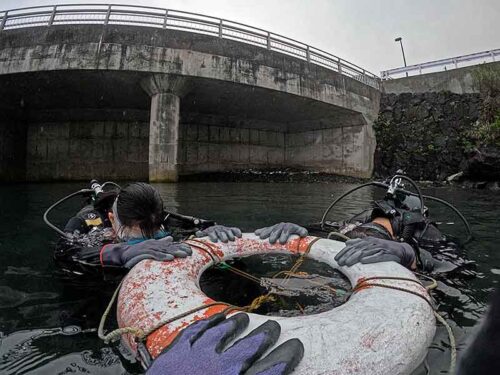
164	137
103	149
246	87
165	92
457	81
212	143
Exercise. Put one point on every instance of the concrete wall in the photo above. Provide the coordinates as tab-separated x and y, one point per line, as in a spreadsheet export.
86	150
458	81
12	151
211	143
209	147
217	144
337	150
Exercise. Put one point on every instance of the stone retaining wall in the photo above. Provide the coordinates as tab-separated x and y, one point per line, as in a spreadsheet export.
424	134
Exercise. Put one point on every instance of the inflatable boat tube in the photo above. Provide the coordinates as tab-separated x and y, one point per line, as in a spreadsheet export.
379	331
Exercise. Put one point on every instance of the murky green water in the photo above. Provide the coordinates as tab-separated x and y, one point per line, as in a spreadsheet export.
48	325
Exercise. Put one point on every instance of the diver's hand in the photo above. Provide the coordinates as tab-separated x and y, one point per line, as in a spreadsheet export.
374	250
200	349
281	231
220	232
124	255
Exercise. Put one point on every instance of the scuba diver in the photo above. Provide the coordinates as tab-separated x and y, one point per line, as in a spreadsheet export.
396	228
120	227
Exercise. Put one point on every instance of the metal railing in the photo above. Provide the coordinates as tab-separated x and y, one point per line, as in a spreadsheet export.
116	14
444	64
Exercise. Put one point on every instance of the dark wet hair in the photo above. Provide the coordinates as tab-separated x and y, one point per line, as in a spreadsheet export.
140	204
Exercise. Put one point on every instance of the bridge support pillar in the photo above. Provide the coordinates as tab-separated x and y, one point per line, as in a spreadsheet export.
165	92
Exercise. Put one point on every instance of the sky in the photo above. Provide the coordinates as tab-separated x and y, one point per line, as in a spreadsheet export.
360	31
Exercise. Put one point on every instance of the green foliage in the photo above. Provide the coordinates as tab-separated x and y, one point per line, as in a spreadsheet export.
487	130
486	80
484	133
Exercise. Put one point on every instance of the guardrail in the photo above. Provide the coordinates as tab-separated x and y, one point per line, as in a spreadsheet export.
479	57
116	14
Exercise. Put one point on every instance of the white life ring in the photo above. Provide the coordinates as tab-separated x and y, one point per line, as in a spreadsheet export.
379	331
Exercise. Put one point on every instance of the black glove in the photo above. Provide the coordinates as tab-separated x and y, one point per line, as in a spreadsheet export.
283	231
124	255
374	250
200	349
220	232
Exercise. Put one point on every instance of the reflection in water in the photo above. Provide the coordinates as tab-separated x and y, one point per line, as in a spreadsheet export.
12	298
55	351
33	300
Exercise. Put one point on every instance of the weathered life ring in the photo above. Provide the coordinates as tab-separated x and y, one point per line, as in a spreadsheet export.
379	331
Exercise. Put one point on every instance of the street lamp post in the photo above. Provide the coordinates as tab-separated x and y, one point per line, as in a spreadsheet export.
400	40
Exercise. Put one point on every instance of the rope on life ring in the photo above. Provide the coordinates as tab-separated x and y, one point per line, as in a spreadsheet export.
141	335
363	284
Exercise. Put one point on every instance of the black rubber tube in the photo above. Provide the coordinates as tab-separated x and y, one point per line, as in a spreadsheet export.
45	215
327	211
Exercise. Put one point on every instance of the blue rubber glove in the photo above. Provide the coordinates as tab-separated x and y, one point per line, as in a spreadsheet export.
374	250
220	232
281	231
125	255
200	349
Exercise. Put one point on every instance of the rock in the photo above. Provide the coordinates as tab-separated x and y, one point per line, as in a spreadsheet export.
454	177
425	134
493	186
483	164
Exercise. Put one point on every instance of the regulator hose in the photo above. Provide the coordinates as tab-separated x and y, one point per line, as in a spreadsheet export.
327	211
95	189
414	184
45	215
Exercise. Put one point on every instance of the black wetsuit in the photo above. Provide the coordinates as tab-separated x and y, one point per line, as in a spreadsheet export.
79	253
411	226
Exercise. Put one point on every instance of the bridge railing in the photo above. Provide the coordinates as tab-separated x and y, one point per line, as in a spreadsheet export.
116	14
444	64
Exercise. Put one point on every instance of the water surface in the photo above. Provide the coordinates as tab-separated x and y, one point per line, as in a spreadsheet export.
47	325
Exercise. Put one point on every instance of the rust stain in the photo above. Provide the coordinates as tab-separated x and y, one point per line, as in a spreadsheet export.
368	339
161	338
151	276
299	245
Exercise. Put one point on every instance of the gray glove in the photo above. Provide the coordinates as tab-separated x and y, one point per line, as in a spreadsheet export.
374	250
220	232
125	255
283	231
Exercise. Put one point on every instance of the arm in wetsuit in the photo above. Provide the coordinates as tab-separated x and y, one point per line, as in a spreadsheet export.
76	256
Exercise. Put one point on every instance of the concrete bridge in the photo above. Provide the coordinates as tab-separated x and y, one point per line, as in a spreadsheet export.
135	93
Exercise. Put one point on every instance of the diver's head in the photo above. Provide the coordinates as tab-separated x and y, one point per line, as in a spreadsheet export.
413	203
137	211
